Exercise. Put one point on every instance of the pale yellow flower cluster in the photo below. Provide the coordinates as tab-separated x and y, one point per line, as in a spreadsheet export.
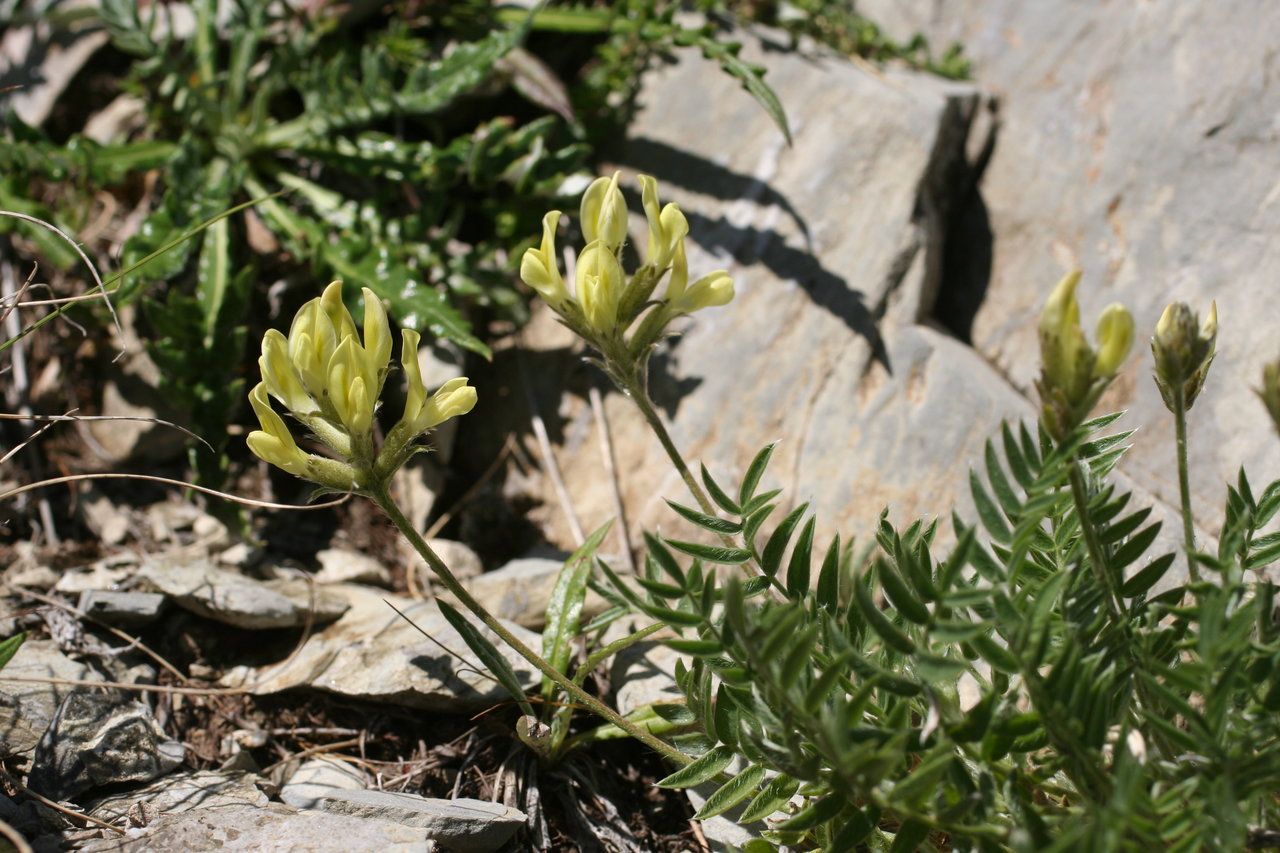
1074	373
331	381
604	302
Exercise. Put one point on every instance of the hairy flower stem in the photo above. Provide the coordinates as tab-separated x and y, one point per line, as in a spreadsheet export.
383	499
1184	484
641	398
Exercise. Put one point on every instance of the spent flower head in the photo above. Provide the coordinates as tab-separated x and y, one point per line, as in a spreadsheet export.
1074	374
1183	348
330	380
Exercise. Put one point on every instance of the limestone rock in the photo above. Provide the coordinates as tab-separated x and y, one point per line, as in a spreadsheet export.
338	565
95	740
180	792
372	653
122	608
27	708
225	596
318	778
252	829
1139	146
463	825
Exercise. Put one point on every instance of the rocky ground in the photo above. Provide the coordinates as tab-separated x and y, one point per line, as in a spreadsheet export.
889	268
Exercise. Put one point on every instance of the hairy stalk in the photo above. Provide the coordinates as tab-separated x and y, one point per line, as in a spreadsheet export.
1184	485
641	398
383	499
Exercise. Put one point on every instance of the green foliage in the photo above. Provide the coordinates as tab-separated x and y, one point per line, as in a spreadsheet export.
1044	685
9	647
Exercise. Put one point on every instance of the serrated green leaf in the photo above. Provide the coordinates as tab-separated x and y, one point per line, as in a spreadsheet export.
488	654
699	771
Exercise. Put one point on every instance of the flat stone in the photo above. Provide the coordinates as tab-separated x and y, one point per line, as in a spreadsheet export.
96	739
317	778
27	708
459	557
225	596
463	825
338	565
521	590
180	792
122	608
372	653
273	827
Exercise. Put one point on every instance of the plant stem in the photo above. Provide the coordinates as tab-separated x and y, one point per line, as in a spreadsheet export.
1184	484
645	405
382	497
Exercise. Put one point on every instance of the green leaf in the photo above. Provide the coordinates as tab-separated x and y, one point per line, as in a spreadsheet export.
706	522
771	559
9	647
754	472
774	796
814	814
893	636
1137	546
829	577
798	566
1147	577
995	654
1264	551
719	495
564	609
731	793
706	767
492	659
900	595
712	553
1004	492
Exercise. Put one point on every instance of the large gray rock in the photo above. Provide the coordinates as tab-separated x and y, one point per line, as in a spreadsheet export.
463	825
26	707
835	246
372	653
1138	142
254	829
180	792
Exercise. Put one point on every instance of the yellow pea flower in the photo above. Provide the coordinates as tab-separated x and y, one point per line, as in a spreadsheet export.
712	290
600	281
604	213
1183	349
539	268
274	443
667	226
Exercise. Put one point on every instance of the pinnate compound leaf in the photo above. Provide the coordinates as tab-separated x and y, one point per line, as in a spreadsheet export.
706	767
488	654
731	793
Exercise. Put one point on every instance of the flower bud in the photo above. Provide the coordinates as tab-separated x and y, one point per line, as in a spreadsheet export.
1269	393
1183	349
281	378
539	268
454	398
1073	375
604	213
1115	338
600	281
